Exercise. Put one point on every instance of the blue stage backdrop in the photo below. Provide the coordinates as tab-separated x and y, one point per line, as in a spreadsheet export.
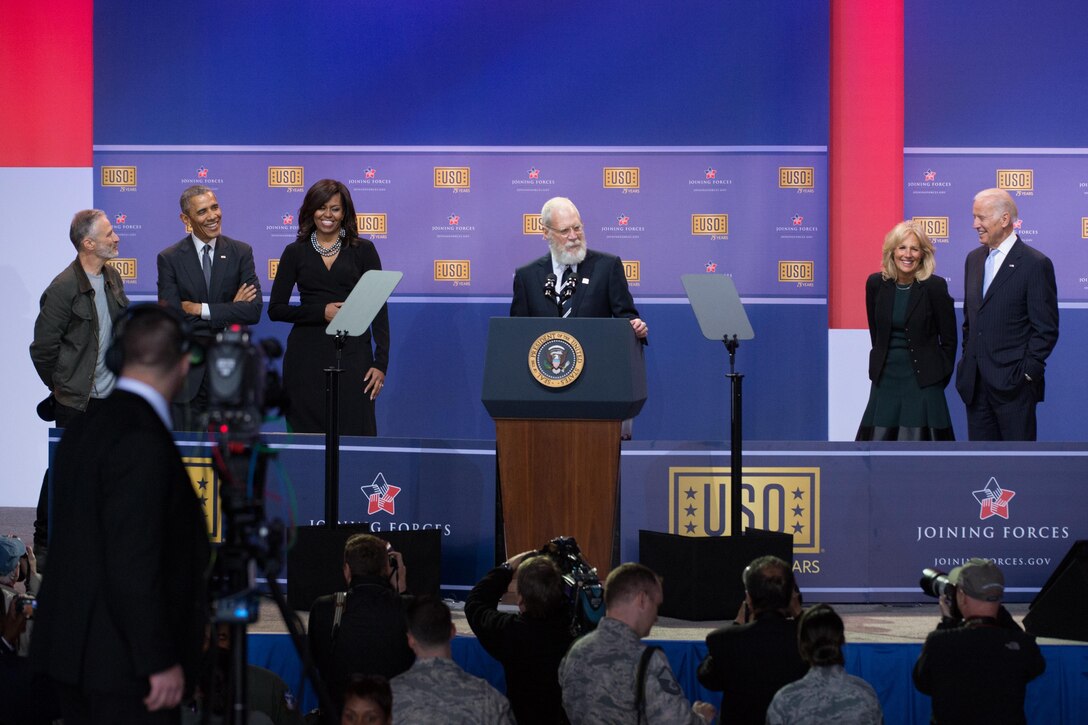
1032	142
704	152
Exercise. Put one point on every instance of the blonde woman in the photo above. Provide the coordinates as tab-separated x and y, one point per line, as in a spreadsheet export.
912	325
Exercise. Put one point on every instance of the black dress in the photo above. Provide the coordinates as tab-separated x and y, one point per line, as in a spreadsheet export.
310	350
900	409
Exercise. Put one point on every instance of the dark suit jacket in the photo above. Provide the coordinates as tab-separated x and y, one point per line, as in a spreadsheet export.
372	639
182	278
1009	333
605	294
930	328
528	648
749	663
128	548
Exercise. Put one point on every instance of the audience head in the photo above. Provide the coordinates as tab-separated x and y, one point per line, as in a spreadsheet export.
321	193
365	555
430	627
151	344
820	636
540	587
632	594
908	232
768	583
979	587
368	700
11	554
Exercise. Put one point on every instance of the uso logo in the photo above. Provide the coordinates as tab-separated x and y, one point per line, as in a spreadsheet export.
451	177
1084	227
632	270
933	226
796	177
712	224
1016	179
371	223
531	225
125	266
621	177
795	270
452	270
273	266
118	176
285	177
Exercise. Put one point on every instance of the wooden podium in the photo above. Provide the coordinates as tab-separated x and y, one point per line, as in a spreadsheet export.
558	391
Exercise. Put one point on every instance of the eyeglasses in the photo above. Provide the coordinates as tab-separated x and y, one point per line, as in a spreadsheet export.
573	228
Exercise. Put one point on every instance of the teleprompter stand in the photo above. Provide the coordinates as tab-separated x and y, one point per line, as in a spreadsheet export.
721	316
709	585
354	318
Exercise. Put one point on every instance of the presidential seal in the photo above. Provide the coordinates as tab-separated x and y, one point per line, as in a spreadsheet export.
556	359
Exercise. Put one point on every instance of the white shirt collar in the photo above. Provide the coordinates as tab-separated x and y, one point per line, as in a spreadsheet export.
560	269
199	243
1006	245
152	396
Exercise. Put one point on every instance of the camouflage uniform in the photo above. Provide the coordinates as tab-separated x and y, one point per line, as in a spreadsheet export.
826	694
437	690
598	680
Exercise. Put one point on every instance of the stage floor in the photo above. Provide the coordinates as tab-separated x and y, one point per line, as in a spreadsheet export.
865	623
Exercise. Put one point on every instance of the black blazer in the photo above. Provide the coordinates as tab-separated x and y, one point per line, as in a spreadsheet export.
930	327
605	294
1011	332
182	278
128	551
749	663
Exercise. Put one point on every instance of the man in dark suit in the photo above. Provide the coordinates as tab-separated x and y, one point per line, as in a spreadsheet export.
1010	325
120	620
572	281
210	278
750	660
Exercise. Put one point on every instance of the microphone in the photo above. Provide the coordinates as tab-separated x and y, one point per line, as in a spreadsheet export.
549	288
568	288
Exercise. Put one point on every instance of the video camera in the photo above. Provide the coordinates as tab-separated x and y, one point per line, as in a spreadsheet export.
936	584
581	585
242	384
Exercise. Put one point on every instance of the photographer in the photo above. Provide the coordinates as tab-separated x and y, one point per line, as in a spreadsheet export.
531	643
362	630
751	659
977	668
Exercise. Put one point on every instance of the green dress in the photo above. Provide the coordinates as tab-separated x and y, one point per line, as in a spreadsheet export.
898	409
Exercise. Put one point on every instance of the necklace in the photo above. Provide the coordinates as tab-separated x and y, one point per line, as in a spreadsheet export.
331	250
903	288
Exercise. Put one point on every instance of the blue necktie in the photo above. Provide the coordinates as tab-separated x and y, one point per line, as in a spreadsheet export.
990	271
206	264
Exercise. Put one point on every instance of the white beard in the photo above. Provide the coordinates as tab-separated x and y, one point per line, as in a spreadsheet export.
564	257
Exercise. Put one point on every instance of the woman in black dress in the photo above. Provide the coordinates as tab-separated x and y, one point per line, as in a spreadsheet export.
912	325
324	262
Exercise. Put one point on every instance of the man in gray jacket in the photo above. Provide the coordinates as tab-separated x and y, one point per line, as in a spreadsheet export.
73	332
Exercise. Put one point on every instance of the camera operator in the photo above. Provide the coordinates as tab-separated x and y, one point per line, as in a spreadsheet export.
977	668
119	623
531	643
751	659
362	630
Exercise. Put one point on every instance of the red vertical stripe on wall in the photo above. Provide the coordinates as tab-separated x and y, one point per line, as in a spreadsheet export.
865	153
46	83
